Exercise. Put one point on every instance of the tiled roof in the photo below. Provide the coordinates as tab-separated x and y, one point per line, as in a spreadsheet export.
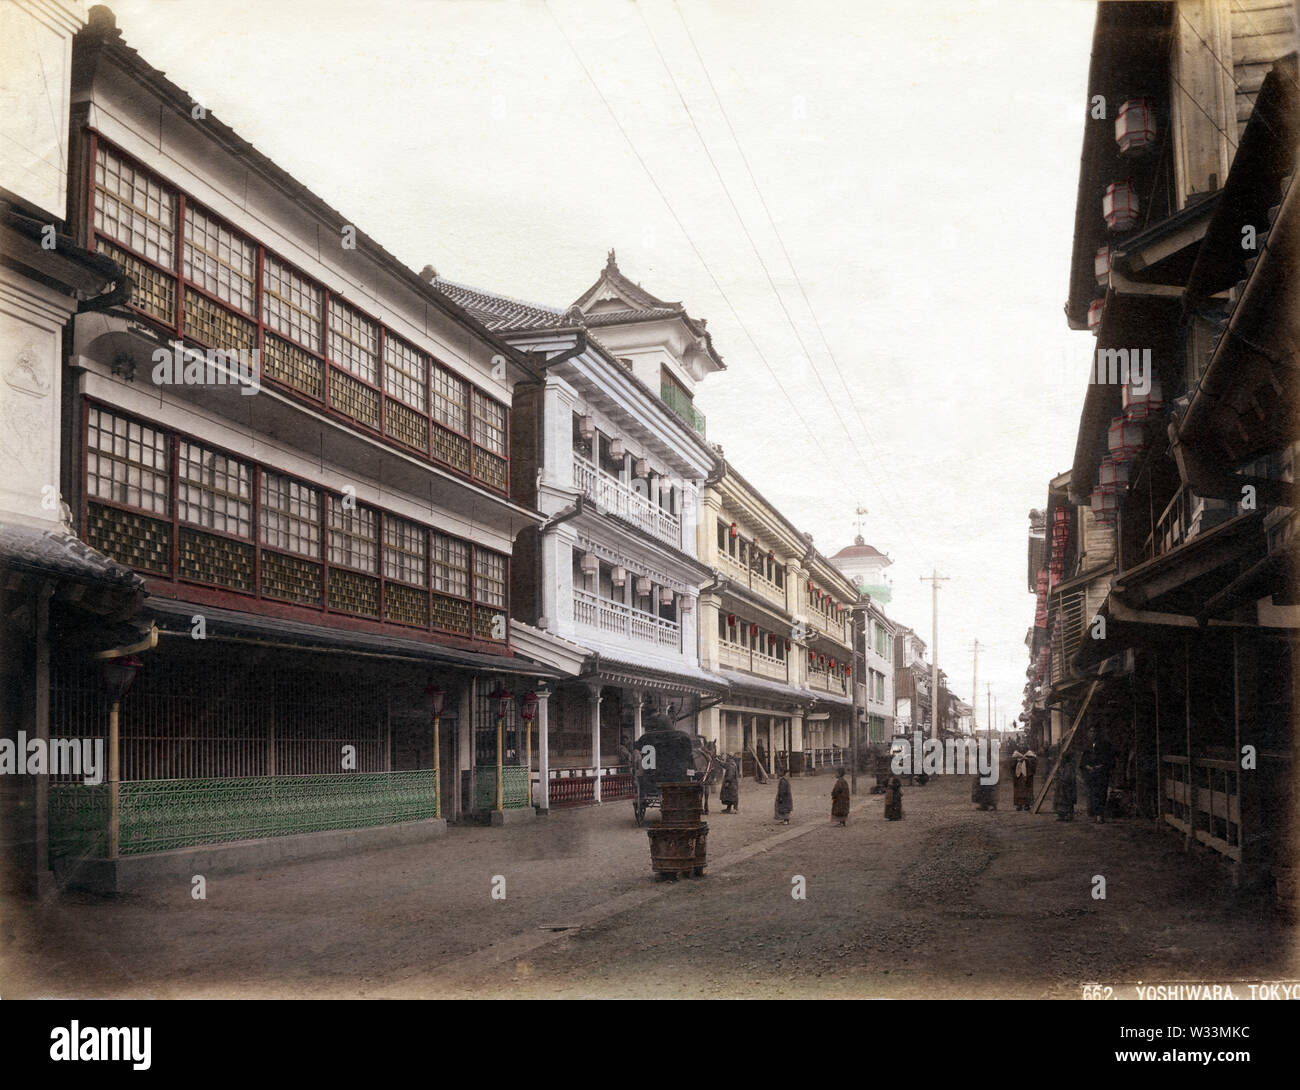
500	312
52	552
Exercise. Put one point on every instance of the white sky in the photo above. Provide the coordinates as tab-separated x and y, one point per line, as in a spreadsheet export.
919	158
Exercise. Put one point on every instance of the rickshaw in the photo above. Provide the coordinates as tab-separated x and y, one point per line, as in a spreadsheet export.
671	755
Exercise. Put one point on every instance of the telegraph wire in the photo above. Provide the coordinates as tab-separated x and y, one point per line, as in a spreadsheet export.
686	234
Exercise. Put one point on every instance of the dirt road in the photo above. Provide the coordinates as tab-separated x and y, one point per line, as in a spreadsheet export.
949	901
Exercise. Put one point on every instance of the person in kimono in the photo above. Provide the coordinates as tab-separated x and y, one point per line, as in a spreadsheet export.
1023	767
840	799
984	795
1066	791
1098	760
894	799
784	801
729	795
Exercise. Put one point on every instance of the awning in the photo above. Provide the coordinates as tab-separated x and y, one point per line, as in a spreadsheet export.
645	675
174	620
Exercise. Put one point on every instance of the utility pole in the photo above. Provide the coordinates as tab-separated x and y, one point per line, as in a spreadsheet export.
934	579
975	692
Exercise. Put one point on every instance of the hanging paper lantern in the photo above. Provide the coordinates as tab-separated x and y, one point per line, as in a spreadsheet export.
731	620
1112	474
787	645
1125	439
616	448
619	576
1105	504
642	468
587	427
734	531
1139	406
1095	310
753	630
1135	126
643	585
665	596
1120	206
1101	265
590	563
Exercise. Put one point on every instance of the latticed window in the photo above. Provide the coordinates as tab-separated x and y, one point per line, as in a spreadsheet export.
489	578
450	400
214	491
290	515
134	209
404	550
354	342
449	566
489	423
220	261
291	304
126	462
354	537
405	373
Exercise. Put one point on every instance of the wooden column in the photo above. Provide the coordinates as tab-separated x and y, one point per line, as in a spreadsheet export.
594	698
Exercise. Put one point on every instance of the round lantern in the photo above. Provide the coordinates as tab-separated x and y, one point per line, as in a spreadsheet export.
1095	310
1125	438
1112	474
1120	206
1101	265
1135	126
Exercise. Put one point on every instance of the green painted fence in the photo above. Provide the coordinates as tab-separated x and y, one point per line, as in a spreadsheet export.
156	815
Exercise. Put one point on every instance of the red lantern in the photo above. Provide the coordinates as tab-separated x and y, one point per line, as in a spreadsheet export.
753	630
731	620
787	645
771	638
848	672
810	586
734	531
1120	206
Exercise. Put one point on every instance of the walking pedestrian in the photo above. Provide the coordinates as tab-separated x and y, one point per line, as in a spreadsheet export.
784	801
984	795
729	796
1098	760
894	799
1066	790
840	799
1023	767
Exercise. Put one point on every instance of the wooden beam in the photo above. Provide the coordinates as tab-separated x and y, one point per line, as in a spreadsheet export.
1065	746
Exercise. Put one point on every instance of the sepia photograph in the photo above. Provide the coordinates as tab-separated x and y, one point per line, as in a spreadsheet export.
649	500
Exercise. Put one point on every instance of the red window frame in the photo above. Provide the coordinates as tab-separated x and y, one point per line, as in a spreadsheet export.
328	498
178	330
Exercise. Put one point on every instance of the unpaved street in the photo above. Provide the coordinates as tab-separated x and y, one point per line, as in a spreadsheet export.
950	901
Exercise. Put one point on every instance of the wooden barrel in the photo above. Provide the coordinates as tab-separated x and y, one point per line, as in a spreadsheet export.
677	849
682	803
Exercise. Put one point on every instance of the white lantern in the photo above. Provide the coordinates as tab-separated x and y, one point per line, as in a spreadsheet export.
665	596
1101	265
1112	474
642	586
1138	405
688	603
587	427
1125	438
616	448
1135	126
642	467
590	563
1105	504
1095	311
1120	206
619	576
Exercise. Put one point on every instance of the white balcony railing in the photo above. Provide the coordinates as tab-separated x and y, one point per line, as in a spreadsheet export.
746	575
754	662
627	503
625	621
